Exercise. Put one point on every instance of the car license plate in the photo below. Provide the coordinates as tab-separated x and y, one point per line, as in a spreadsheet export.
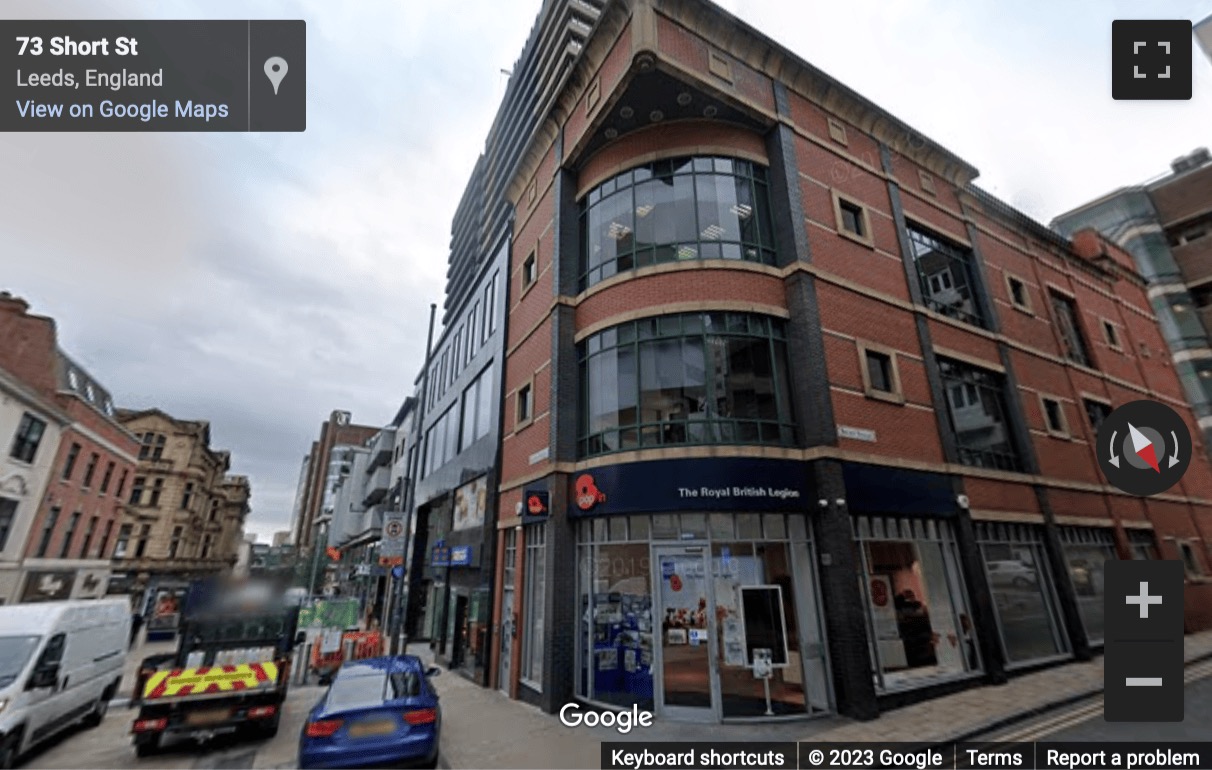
364	729
208	717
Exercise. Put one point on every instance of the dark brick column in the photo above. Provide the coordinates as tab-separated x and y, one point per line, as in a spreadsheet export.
843	605
983	613
561	623
1066	595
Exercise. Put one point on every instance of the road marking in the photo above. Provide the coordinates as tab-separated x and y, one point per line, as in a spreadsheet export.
1086	712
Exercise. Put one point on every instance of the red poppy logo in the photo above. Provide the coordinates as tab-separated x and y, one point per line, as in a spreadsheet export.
588	495
879	593
534	504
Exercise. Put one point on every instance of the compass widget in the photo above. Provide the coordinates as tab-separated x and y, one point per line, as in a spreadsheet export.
1144	447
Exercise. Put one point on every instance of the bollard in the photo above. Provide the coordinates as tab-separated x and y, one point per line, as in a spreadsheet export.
307	661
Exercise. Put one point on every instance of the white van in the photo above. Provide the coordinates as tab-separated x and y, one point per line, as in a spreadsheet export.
60	664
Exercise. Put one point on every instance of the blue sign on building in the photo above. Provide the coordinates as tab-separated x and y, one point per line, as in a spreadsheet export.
701	484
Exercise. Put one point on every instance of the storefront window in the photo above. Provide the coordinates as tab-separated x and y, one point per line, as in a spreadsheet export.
692	378
1022	591
637	639
678	209
533	600
739	564
921	628
1086	549
616	618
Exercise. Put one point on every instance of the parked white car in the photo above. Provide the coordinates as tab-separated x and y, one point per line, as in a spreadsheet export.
1011	572
60	664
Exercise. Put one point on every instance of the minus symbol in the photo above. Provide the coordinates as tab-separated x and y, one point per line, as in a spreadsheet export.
1143	681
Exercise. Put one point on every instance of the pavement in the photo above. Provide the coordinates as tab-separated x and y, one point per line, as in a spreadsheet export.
481	727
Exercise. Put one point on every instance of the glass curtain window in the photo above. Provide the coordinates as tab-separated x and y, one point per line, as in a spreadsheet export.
676	209
694	378
1023	598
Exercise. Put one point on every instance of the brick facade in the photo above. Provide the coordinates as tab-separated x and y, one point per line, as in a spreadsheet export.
841	294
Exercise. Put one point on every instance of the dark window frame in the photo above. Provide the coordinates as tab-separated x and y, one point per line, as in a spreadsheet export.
73	453
979	384
757	245
715	427
959	260
1067	317
28	438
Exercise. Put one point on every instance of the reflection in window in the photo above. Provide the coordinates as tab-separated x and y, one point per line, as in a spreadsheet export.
946	273
1074	343
1143	545
1015	564
695	378
1086	548
976	405
669	210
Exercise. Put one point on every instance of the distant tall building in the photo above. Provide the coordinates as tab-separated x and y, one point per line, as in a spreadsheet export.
62	479
1166	225
319	476
280	539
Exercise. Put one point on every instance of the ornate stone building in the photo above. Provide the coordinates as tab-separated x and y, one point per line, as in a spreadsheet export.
184	515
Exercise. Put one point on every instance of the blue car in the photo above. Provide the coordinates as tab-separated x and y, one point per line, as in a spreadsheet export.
377	712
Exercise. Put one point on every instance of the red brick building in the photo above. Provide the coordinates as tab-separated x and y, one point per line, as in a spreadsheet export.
68	545
763	338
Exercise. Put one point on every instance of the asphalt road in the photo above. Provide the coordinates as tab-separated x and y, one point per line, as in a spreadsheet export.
109	745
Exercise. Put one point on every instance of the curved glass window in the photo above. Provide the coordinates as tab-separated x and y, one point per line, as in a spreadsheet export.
693	378
675	209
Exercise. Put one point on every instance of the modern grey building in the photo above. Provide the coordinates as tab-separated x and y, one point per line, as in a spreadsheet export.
1166	224
459	395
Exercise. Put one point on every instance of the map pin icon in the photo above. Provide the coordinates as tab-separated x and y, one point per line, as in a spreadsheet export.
275	70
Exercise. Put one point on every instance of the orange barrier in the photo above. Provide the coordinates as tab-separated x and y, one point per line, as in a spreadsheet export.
366	644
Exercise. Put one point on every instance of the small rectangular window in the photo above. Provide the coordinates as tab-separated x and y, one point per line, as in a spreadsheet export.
1054	416
1112	334
1096	413
28	437
70	465
528	272
90	469
879	371
853	220
109	474
1190	560
525	404
1017	289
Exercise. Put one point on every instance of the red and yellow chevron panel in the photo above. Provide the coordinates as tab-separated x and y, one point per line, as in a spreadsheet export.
179	682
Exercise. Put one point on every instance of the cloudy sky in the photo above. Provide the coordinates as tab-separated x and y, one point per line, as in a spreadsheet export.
262	280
